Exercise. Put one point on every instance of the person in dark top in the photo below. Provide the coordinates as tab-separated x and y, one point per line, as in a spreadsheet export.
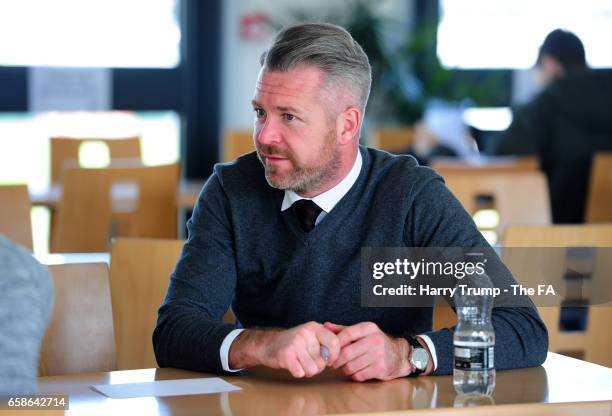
277	234
565	125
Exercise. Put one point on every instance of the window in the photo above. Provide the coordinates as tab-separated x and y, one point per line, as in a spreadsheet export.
92	33
508	33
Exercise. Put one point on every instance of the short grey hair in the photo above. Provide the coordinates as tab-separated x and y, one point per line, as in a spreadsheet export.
328	47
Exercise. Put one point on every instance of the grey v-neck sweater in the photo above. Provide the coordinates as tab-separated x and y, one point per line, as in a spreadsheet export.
242	250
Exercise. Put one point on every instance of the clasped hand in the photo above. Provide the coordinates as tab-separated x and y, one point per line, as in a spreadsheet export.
362	351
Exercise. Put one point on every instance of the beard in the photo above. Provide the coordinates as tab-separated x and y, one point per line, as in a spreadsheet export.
303	177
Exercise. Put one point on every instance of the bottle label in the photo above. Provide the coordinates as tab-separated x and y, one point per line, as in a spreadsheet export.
473	356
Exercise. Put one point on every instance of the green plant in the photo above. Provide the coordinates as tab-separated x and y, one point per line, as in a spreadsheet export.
407	75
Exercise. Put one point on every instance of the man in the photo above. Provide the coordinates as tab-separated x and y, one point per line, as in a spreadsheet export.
278	234
26	298
565	124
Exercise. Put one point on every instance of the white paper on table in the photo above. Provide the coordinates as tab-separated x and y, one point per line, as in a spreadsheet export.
165	388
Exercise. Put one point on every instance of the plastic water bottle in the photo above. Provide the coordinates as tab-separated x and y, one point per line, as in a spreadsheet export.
474	338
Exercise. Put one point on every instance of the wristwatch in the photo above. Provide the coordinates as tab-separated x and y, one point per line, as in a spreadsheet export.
419	357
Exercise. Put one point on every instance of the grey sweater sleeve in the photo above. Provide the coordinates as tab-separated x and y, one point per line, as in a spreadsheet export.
437	219
189	329
26	298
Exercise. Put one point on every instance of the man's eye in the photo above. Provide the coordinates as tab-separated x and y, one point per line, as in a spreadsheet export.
259	112
289	117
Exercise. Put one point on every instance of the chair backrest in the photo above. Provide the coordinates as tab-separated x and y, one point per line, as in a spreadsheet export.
518	198
443	315
79	337
599	200
393	139
15	222
236	143
450	166
138	288
599	235
65	149
98	204
596	342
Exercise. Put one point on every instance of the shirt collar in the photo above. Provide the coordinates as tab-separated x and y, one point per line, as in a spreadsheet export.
328	199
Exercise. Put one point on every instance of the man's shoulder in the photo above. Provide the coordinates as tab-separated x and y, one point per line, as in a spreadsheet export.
246	163
378	157
579	100
246	170
397	168
242	181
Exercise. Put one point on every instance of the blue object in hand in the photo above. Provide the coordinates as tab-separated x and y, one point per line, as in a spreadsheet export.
324	353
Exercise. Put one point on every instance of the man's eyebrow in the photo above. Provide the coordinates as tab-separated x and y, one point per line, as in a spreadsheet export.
281	108
287	109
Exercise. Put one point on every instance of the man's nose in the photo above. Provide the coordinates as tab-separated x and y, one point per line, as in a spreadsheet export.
268	133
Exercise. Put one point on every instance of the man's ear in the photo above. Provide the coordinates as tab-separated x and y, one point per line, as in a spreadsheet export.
348	124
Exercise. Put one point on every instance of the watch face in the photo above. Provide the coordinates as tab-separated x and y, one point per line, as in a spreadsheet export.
420	358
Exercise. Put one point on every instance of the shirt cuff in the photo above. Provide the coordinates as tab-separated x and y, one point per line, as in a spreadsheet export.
427	340
225	347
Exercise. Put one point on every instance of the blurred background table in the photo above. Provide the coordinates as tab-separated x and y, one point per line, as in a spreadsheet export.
186	197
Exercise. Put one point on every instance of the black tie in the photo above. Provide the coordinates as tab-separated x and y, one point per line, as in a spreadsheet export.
307	213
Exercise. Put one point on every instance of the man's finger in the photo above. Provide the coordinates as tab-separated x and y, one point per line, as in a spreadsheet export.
366	373
335	328
313	347
357	364
350	352
330	341
355	332
308	365
293	365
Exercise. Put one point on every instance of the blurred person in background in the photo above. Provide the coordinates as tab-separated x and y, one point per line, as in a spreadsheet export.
441	132
26	298
565	124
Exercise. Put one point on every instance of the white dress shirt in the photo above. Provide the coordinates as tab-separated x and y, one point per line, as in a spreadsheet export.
326	201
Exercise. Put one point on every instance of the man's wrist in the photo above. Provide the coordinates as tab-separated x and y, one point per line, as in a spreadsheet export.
225	347
244	351
405	368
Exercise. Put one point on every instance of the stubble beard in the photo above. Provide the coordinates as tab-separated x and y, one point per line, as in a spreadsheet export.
303	179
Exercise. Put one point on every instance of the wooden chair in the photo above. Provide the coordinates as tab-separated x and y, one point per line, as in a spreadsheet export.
393	139
596	342
443	315
137	290
98	204
452	166
599	199
519	198
15	222
79	336
65	149
236	143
